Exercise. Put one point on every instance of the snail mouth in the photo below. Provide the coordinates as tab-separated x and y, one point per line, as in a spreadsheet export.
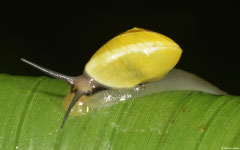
78	94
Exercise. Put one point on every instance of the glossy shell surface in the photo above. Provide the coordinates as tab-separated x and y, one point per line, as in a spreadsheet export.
133	57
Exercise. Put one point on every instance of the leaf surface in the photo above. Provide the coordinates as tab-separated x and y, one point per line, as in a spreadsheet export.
31	115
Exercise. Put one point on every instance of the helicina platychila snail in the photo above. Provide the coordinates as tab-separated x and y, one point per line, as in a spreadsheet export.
135	57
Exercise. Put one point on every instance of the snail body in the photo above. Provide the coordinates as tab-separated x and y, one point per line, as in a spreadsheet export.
175	80
137	56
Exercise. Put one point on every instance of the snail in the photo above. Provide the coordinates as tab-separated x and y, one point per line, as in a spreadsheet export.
130	59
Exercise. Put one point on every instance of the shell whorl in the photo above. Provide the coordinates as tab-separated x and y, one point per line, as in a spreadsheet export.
133	57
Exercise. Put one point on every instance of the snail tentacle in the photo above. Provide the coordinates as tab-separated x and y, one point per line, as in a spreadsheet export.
76	97
54	74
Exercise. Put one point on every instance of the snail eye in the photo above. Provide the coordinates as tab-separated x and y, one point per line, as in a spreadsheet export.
88	93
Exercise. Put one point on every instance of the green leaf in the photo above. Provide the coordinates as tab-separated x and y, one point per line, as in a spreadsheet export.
31	115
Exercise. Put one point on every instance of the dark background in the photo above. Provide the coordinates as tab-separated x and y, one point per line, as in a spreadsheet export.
63	36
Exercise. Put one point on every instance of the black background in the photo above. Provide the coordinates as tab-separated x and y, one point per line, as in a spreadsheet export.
63	36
